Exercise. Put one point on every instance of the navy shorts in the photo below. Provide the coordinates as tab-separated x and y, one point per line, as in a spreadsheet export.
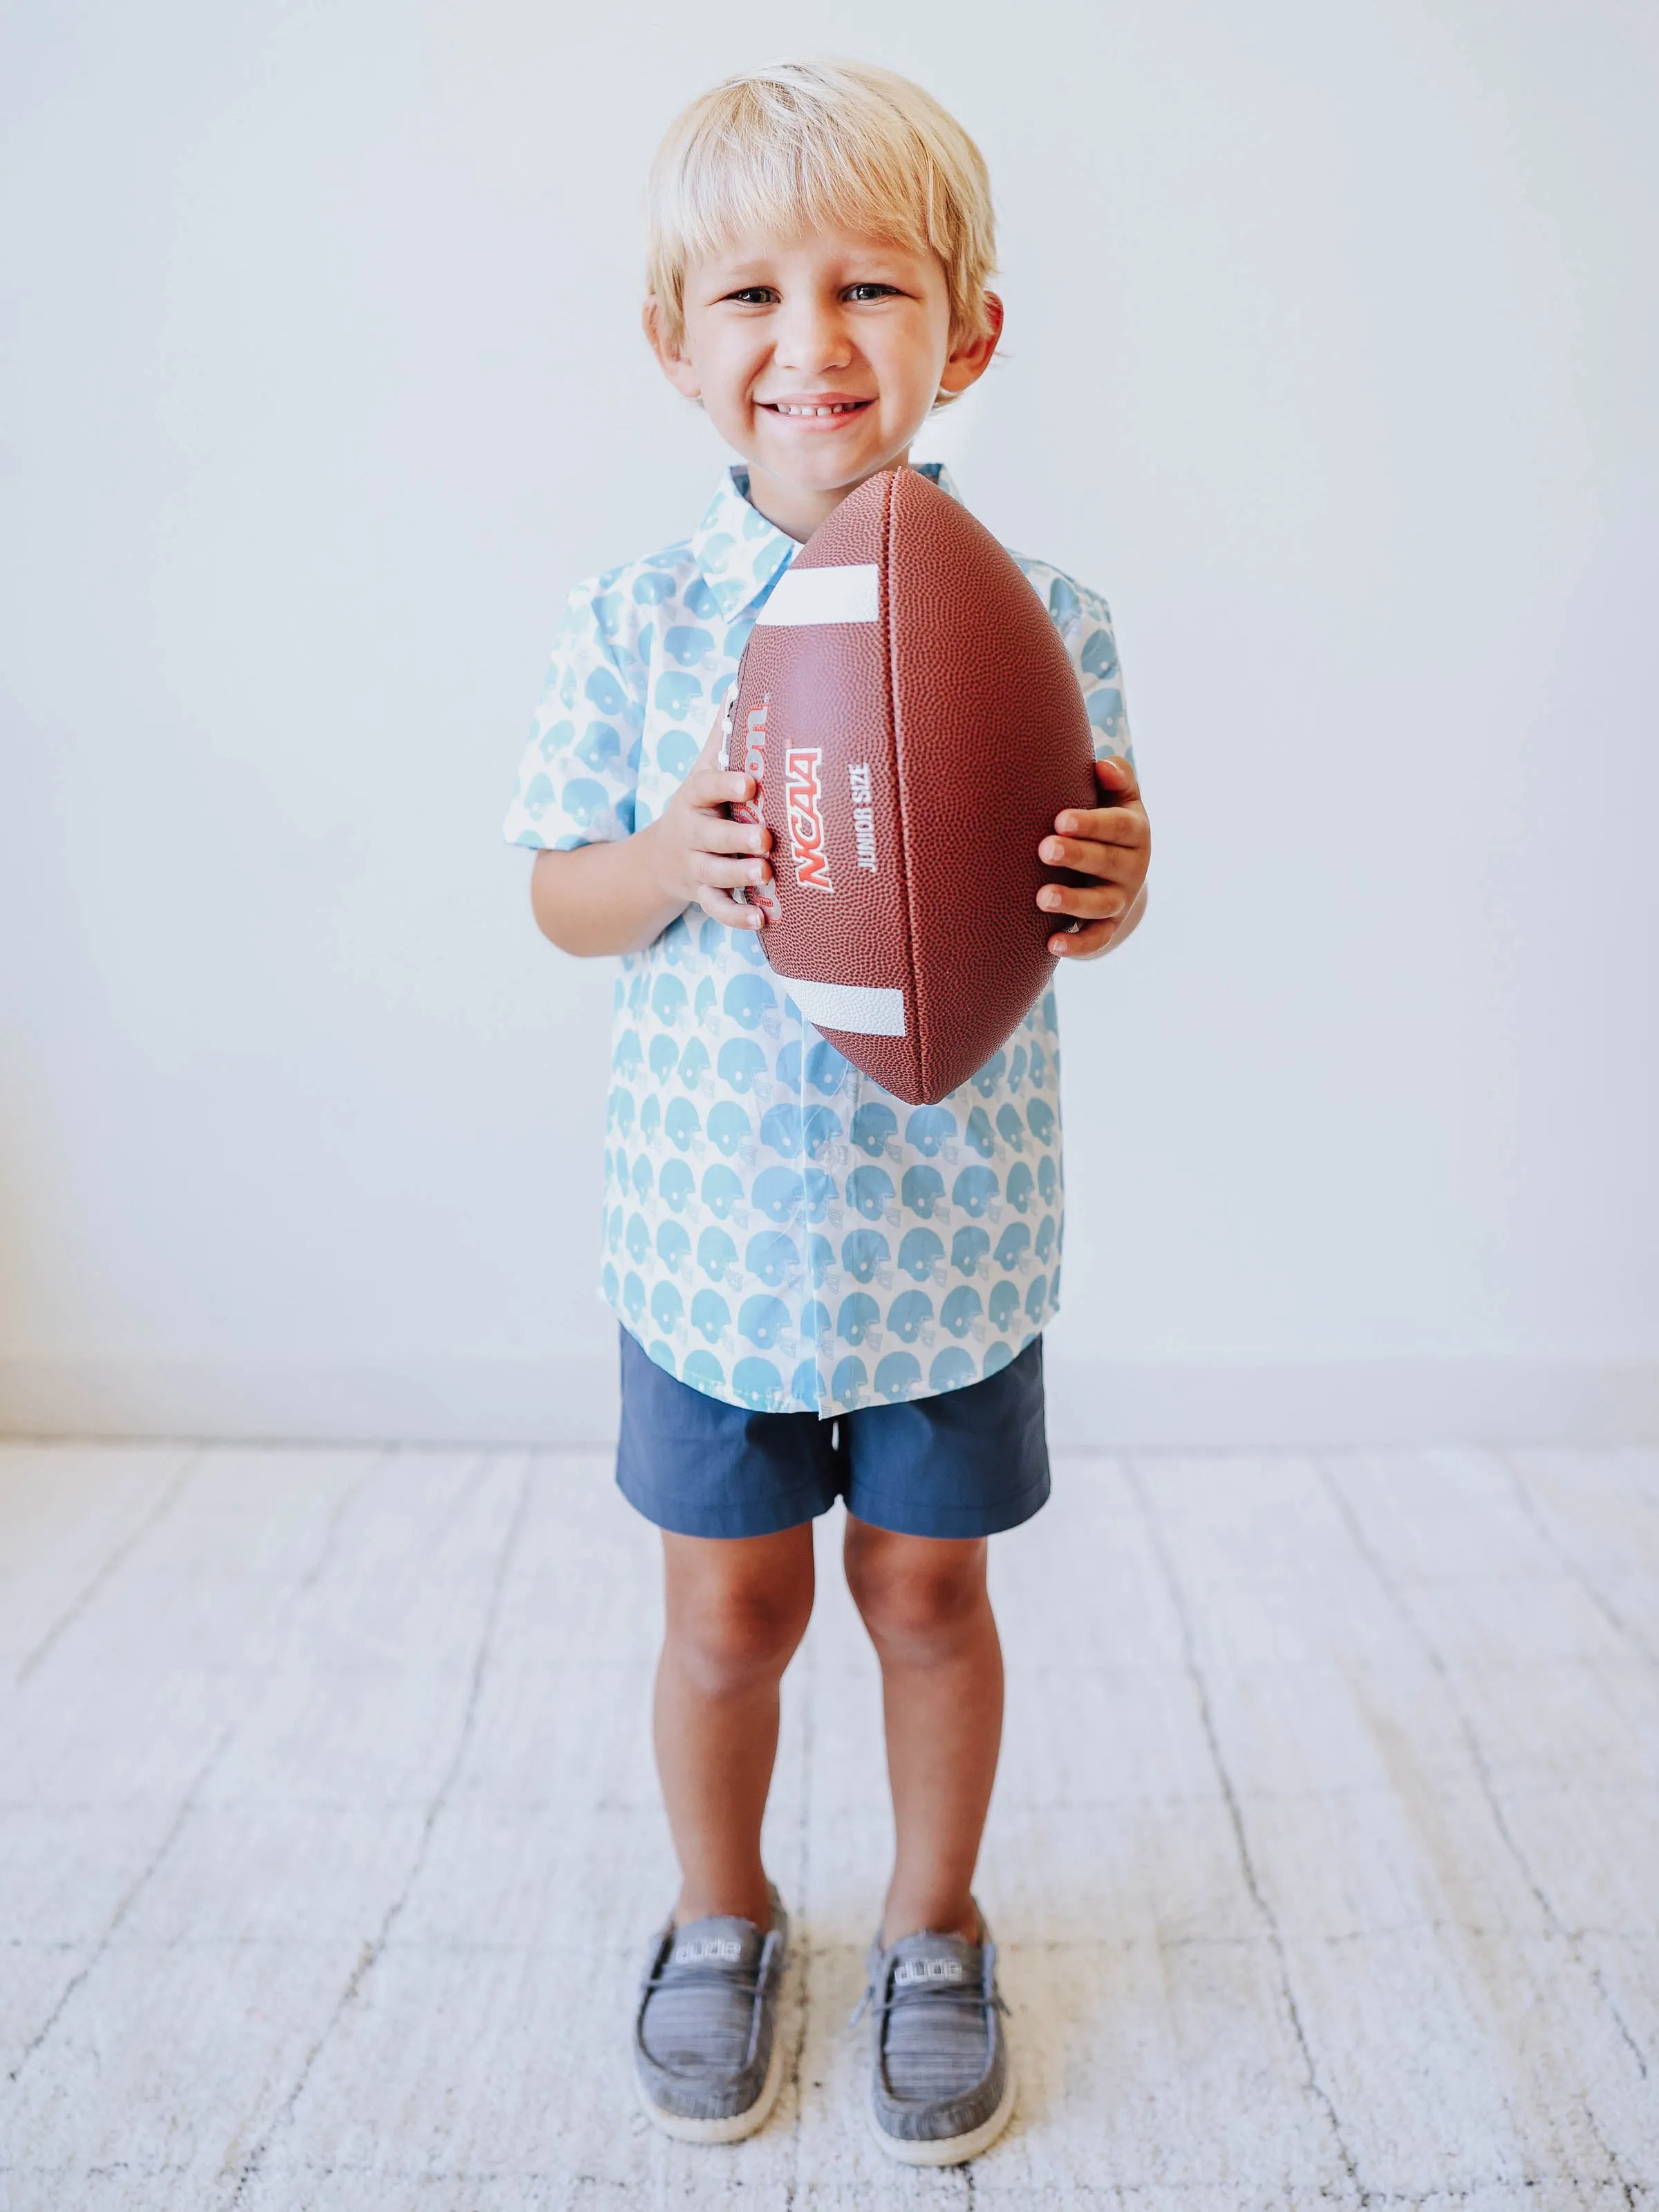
966	1463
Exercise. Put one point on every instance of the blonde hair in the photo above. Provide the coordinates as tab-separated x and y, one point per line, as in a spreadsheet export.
813	145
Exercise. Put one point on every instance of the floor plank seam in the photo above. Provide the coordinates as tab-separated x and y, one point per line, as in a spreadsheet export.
111	1564
228	1735
373	1461
1437	1660
128	1900
371	1951
1247	1864
1571	1567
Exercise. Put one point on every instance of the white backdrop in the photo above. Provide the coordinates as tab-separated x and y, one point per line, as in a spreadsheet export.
1331	359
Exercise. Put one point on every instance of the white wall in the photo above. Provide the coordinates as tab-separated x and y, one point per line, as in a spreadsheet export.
1331	358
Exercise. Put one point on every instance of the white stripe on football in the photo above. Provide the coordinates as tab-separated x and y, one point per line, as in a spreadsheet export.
861	1009
851	593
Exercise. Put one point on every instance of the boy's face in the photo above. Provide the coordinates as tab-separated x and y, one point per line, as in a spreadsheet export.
818	359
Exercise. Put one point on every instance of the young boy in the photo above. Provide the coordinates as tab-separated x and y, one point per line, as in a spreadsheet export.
820	241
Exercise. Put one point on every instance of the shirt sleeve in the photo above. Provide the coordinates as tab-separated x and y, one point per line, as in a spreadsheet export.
1085	624
579	777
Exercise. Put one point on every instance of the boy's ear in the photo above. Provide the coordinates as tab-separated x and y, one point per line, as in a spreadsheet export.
971	358
674	364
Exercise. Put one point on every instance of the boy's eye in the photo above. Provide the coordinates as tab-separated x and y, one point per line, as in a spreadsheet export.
754	296
872	291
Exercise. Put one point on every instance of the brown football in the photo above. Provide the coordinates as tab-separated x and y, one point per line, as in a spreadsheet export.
914	725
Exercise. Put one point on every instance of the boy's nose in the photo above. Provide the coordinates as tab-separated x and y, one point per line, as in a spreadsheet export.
813	338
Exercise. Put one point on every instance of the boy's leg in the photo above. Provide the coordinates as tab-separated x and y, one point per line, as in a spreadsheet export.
925	1603
930	1480
736	1609
942	2083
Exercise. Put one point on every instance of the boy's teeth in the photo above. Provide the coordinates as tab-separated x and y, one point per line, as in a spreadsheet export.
841	407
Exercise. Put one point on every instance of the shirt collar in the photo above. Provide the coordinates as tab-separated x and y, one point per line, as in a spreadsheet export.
740	553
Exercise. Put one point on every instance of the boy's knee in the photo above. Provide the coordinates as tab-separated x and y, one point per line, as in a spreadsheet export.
917	1595
731	1634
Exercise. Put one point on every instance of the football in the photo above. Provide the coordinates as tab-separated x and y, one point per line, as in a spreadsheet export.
914	725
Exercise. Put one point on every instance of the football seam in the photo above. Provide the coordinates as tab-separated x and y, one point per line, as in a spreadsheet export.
906	885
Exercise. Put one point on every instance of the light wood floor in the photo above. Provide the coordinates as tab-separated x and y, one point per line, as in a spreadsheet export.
1325	1857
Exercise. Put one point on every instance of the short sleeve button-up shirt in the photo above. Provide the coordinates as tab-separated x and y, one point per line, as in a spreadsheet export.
778	1230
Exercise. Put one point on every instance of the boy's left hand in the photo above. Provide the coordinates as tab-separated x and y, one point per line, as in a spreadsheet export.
1112	842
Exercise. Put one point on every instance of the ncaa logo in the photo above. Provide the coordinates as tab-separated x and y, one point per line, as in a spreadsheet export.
803	801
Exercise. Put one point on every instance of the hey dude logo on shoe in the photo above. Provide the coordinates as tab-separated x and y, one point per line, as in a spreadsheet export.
910	1971
725	1950
779	1232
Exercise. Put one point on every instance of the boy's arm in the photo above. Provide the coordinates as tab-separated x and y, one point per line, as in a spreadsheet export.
1110	841
619	897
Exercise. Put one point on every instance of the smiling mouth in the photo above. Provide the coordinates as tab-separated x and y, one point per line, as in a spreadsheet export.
810	411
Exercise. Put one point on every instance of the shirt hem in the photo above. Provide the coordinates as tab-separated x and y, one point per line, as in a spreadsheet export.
826	1411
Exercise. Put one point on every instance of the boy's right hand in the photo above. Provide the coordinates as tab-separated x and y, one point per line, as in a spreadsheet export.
703	856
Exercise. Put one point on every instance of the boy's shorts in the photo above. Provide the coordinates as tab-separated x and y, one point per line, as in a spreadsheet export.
966	1463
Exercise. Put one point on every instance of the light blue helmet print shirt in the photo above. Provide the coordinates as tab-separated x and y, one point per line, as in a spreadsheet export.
780	1231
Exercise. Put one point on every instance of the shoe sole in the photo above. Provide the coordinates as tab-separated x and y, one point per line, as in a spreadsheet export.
949	2150
728	2131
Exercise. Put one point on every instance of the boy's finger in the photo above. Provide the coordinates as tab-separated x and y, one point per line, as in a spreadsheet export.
719	833
1118	777
1077	944
1107	904
1105	825
713	868
718	786
1088	856
719	908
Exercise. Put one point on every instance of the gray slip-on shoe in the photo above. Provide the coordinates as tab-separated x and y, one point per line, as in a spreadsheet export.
942	2085
707	2058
